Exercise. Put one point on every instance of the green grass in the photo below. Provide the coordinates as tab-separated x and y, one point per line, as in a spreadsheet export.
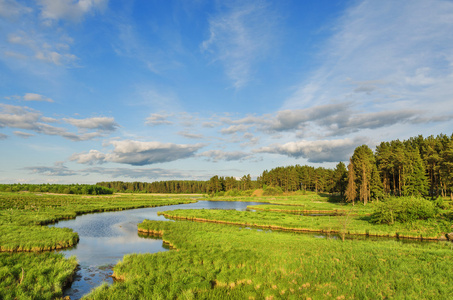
214	261
22	216
354	225
34	275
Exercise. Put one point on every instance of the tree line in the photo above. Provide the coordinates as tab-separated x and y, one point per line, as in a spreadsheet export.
214	185
77	189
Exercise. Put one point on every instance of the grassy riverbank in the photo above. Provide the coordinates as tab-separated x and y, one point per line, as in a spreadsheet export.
214	261
34	275
22	216
354	225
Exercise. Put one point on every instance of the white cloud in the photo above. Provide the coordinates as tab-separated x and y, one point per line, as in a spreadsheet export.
26	118
146	173
3	136
90	158
139	153
48	47
22	134
57	170
190	135
98	123
36	97
216	155
235	128
69	9
384	57
240	36
158	119
317	151
12	9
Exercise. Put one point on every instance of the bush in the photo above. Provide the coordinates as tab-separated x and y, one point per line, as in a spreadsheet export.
403	209
272	191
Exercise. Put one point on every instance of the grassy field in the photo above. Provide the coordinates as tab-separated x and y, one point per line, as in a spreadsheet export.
22	216
353	225
293	213
215	261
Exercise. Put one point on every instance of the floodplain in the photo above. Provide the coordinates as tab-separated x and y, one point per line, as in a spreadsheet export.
233	254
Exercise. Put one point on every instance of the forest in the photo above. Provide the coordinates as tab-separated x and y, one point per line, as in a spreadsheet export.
76	189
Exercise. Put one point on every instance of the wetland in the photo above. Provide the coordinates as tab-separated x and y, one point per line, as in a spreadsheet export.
110	260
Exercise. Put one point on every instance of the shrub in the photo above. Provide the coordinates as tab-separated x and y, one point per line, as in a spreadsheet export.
272	191
403	209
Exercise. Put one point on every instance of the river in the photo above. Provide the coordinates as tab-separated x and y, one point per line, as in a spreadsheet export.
106	237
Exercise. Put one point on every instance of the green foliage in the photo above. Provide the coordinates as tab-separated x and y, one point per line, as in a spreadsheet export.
272	191
403	209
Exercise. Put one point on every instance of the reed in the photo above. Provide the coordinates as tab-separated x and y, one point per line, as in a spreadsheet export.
356	225
214	261
34	276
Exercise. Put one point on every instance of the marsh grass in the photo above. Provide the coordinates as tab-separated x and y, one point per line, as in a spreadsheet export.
214	261
34	276
347	224
22	216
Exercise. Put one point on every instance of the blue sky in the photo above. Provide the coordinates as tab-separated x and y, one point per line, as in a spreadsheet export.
99	90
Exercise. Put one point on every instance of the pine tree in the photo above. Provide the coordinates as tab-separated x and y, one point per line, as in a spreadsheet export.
351	192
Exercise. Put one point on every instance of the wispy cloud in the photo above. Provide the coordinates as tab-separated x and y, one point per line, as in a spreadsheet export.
23	117
57	170
98	123
158	119
12	9
52	48
317	151
22	134
240	36
216	155
36	97
69	9
385	56
191	135
145	173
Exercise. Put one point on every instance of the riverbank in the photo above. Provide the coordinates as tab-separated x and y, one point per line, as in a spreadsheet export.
341	224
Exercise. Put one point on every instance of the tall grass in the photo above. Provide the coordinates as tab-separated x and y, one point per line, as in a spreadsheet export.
34	276
356	225
214	261
22	216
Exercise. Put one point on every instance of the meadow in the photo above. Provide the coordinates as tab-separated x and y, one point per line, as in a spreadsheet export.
42	275
232	254
214	258
217	261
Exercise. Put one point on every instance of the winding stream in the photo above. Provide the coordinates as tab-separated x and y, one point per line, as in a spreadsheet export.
106	237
